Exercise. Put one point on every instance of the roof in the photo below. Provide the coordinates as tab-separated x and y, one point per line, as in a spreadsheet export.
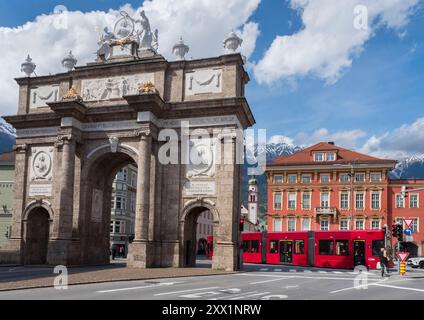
344	156
7	158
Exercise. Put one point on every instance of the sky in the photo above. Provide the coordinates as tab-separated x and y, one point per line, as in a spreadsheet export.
348	71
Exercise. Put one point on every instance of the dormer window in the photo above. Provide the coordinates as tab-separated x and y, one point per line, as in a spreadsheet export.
331	156
319	156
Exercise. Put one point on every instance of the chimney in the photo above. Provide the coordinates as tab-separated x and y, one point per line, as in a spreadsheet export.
331	142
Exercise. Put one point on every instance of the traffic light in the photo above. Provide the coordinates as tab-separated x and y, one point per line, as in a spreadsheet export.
241	225
399	232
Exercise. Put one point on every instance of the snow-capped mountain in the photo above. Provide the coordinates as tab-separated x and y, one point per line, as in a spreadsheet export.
7	137
411	167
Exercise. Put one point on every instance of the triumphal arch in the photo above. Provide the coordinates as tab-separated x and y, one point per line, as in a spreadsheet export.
76	129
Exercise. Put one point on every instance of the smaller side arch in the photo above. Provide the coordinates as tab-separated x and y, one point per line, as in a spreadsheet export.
38	204
193	204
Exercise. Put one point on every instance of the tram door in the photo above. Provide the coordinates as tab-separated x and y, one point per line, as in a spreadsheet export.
359	253
286	251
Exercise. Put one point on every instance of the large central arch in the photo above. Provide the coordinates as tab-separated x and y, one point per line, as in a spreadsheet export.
97	176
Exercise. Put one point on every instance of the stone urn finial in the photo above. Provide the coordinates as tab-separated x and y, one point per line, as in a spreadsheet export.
180	49
28	67
69	62
232	42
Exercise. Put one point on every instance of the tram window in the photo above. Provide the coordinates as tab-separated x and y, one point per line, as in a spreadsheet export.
326	247
246	246
299	247
342	247
376	247
273	246
255	246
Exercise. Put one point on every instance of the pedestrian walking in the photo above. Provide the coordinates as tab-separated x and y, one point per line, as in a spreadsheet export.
384	262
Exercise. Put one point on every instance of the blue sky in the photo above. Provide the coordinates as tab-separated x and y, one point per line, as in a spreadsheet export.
382	90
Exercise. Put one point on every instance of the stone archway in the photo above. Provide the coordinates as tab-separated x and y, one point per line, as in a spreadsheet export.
97	176
188	228
37	225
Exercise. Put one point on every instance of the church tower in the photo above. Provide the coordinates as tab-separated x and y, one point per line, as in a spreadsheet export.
253	200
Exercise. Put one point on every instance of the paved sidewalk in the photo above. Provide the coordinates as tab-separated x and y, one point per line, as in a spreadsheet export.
78	276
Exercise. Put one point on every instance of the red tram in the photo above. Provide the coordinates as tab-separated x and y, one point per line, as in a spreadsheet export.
329	249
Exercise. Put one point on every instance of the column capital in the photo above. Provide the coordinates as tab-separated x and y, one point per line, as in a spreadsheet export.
20	148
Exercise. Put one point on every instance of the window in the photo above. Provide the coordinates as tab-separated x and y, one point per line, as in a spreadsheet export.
413	201
359	203
375	200
306	224
278	179
299	247
331	157
324	178
375	176
344	177
319	157
399	201
344	224
291	224
125	174
246	246
376	247
414	225
375	224
359	224
111	226
133	179
277	200
325	199
360	177
254	246
273	246
277	223
324	225
306	178
291	178
291	201
306	200
117	227
326	247
344	200
112	205
118	203
342	247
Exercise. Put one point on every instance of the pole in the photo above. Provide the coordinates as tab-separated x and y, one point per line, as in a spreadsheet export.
398	250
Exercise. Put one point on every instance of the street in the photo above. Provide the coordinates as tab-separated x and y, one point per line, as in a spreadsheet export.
256	282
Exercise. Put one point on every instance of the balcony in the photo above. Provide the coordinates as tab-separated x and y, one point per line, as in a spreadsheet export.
329	211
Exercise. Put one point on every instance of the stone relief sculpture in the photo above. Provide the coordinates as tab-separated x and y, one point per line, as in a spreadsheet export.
114	143
204	81
113	88
97	206
40	96
201	164
42	164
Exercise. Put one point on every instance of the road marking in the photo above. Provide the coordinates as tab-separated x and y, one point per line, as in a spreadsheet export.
250	295
275	296
322	271
307	271
278	270
297	276
263	269
162	284
266	281
350	288
397	287
183	291
338	272
232	297
292	270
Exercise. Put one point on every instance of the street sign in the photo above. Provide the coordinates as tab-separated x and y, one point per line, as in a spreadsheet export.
408	223
408	232
403	256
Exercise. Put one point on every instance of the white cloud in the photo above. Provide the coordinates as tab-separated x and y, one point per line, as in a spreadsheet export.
328	42
347	139
202	23
407	140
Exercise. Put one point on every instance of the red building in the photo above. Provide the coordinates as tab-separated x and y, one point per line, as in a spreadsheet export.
326	187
